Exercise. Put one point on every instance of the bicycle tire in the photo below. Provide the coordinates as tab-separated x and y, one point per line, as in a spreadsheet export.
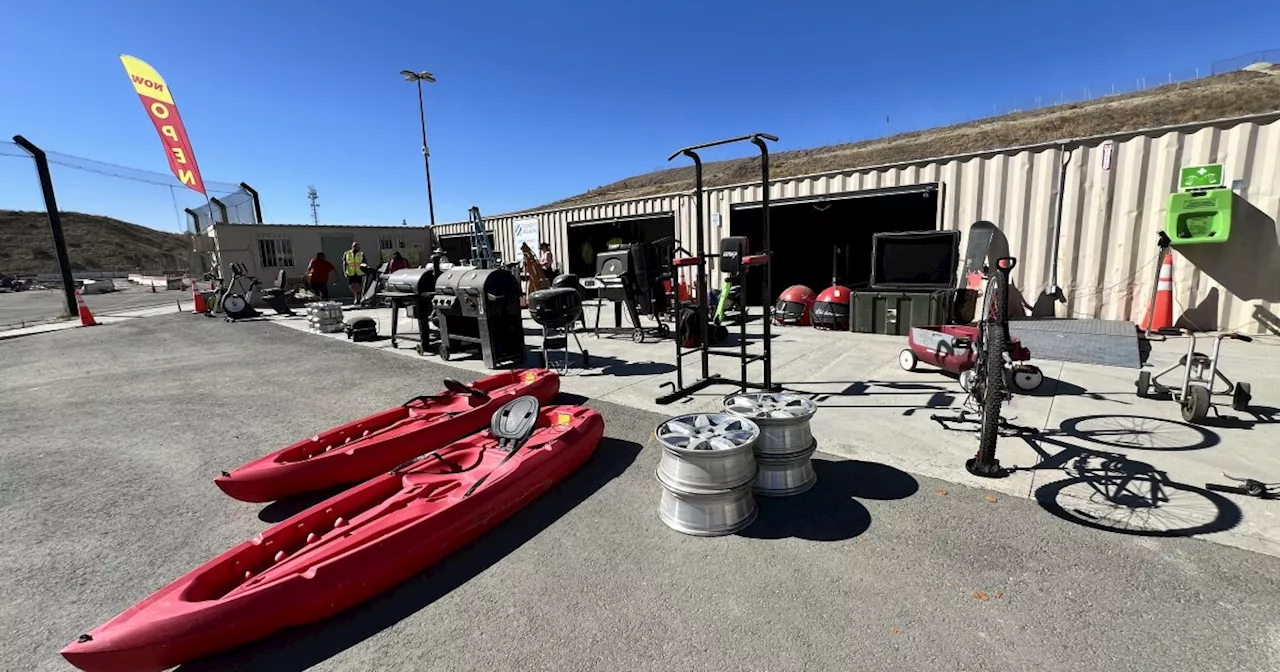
992	377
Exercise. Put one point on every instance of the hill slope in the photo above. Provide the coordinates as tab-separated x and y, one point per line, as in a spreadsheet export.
94	243
1218	97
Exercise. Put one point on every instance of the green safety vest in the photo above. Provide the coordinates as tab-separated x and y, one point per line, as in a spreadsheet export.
351	262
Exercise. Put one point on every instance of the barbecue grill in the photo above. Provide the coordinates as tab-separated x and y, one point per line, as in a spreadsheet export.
478	307
412	289
555	310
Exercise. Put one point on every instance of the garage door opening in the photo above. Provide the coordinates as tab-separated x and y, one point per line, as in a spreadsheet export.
586	239
805	231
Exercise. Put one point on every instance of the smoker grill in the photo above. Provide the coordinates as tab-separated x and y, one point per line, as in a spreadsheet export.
480	307
411	289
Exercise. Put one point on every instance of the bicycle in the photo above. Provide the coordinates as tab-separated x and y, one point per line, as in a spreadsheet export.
992	371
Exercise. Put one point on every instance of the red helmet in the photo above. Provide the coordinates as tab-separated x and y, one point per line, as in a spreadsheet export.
794	305
831	309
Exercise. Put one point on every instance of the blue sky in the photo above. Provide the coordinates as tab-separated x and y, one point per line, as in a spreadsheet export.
541	100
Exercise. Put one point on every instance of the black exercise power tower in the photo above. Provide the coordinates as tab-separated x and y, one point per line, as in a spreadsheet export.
759	261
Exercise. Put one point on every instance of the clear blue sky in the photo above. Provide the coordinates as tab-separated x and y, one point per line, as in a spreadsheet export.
541	100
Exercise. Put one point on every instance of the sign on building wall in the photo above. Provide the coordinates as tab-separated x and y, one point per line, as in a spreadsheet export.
1108	151
1201	177
525	231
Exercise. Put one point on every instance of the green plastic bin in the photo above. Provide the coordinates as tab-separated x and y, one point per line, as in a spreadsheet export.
896	312
1199	216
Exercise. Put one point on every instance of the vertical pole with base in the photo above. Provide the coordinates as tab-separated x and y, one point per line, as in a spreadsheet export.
767	299
55	221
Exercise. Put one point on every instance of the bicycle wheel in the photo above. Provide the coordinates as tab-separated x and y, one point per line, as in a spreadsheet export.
991	378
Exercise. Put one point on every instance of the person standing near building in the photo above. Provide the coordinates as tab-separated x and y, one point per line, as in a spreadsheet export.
546	260
317	277
397	262
353	267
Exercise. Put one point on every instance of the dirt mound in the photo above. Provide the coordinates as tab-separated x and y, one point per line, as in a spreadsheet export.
94	243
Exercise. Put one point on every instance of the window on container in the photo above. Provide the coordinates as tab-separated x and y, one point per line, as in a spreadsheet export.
275	252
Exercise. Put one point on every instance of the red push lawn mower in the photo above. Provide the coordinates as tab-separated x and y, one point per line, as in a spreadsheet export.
952	349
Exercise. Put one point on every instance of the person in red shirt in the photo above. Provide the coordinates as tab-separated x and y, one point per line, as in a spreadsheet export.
397	262
317	277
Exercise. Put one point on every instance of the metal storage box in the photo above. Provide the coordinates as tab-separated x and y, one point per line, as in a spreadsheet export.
890	312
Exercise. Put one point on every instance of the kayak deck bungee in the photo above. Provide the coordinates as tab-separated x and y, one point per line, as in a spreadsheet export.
364	448
346	549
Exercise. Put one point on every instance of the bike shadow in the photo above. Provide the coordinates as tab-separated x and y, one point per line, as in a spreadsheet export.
1107	490
306	646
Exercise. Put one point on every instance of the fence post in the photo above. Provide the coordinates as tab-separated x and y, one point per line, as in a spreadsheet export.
257	205
55	220
221	208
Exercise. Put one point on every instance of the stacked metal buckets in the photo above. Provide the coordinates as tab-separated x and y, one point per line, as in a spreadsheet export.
712	463
324	317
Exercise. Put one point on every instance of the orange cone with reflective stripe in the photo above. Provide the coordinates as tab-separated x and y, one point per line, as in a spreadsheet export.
1160	314
86	317
198	297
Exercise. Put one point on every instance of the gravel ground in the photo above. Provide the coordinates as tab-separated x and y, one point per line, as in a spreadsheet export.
112	435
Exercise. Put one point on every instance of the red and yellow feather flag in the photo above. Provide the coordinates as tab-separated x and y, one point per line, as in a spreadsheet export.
158	101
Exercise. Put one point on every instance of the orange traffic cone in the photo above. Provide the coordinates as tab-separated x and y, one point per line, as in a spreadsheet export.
1160	313
86	317
198	297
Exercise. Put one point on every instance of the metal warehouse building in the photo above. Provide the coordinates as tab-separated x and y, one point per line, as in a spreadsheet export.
1115	200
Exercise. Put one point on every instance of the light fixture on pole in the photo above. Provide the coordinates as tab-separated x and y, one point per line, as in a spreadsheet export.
421	77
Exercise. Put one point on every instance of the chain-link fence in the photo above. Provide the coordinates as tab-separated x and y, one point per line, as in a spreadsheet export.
128	234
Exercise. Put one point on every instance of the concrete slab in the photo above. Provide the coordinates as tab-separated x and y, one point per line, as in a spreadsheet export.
870	409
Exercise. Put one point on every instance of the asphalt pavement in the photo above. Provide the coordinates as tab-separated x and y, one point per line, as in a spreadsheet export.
35	306
111	437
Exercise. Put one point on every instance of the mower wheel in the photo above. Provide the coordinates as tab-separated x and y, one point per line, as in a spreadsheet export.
1241	397
1195	406
907	360
1027	378
637	336
968	378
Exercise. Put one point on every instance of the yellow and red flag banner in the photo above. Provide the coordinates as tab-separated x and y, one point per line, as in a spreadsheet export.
158	101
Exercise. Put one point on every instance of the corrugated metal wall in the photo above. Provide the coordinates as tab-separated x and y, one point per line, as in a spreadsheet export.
1110	218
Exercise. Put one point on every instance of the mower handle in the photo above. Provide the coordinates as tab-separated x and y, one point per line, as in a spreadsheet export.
1238	337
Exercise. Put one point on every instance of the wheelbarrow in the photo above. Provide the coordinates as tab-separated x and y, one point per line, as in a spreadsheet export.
952	349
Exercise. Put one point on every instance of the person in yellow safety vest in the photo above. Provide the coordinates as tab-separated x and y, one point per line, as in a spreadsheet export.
352	263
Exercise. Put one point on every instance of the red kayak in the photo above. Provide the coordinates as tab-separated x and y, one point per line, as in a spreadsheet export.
350	547
364	448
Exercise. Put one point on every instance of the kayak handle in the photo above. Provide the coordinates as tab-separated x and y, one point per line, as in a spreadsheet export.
458	387
424	398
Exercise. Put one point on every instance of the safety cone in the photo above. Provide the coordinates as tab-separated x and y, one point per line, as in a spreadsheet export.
1160	313
86	317
198	297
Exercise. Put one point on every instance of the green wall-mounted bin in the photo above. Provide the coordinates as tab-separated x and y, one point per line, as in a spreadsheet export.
1199	216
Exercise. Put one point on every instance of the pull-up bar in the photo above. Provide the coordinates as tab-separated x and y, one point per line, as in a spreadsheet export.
758	260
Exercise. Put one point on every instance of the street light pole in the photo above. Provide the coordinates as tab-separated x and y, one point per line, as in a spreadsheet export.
420	77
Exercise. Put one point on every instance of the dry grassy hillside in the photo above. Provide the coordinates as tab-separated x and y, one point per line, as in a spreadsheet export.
1227	95
94	243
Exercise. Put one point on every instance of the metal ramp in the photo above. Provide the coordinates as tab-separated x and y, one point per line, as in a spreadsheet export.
1101	342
